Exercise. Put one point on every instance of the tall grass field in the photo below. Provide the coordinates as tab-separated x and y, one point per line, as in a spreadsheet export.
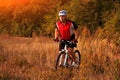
34	59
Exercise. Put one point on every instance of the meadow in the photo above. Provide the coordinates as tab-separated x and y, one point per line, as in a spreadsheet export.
24	58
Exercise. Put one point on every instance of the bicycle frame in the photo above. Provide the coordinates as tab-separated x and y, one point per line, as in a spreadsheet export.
66	55
64	59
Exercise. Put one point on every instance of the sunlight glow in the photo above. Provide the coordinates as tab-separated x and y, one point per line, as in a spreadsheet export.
13	2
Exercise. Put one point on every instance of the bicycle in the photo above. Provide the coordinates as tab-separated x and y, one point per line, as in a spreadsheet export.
64	59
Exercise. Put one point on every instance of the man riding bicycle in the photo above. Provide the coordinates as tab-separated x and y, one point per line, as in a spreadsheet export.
66	30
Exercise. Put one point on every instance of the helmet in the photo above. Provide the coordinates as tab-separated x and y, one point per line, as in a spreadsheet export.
62	12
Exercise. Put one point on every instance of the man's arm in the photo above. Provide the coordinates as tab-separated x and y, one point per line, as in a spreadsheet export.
76	32
56	33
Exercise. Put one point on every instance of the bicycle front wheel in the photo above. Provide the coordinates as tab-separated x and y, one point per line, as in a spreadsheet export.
60	60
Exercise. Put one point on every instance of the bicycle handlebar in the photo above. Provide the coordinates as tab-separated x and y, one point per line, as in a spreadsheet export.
65	41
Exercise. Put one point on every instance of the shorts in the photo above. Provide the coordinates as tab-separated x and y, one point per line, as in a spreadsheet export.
62	45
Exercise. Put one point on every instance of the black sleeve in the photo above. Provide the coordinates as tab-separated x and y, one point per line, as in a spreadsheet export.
55	26
75	25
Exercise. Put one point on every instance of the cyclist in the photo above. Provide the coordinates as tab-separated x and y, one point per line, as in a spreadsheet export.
66	30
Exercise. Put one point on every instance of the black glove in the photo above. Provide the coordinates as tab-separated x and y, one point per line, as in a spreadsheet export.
56	40
74	41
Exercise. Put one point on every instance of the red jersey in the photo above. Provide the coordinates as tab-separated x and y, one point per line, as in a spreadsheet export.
66	30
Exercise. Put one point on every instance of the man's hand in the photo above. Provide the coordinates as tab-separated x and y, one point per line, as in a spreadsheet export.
74	41
56	39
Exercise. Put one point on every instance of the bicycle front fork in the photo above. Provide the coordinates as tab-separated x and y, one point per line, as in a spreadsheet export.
65	60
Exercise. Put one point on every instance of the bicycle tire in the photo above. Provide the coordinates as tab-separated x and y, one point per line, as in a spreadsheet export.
79	56
58	59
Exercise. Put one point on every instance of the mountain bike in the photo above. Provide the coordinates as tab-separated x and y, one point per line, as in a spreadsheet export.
64	59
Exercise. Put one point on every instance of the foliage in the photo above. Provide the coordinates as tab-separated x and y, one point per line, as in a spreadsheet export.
25	17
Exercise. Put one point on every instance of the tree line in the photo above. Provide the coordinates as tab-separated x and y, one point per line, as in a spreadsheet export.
25	17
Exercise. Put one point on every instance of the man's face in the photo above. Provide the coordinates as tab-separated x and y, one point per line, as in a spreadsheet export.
62	18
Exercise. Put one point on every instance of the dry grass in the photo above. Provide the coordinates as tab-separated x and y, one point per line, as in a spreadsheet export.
34	59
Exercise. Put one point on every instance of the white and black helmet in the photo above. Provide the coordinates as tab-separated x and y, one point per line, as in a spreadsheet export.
62	12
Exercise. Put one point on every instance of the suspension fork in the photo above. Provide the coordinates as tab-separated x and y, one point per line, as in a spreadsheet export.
65	60
66	55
